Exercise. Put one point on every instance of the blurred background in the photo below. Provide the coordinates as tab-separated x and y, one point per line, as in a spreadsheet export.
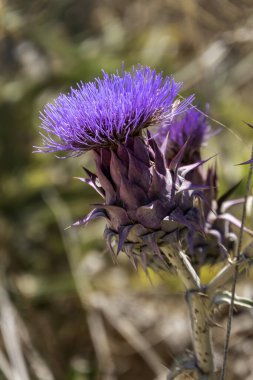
67	312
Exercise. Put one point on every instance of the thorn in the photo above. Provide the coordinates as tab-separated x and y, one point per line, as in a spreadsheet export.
212	323
248	124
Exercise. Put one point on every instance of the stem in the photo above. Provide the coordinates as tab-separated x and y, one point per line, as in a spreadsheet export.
201	337
201	332
182	265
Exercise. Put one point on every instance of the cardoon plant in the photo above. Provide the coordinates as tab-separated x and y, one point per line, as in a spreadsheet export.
160	204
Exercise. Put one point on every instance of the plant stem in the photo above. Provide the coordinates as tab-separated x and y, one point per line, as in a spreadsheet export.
201	333
198	307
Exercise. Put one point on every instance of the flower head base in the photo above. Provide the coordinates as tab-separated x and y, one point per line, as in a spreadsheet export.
107	111
145	204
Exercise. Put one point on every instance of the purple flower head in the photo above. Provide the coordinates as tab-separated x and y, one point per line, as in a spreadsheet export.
104	113
191	126
147	202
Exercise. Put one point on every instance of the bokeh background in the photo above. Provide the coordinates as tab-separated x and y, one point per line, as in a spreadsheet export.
67	312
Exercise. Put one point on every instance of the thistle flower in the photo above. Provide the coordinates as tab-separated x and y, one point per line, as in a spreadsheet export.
191	125
145	203
188	132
